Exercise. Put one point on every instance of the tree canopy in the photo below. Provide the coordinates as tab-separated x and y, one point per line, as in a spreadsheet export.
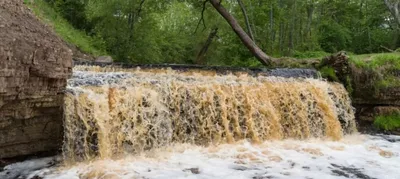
184	31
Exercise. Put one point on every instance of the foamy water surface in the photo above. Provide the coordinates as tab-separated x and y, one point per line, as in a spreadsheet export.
355	156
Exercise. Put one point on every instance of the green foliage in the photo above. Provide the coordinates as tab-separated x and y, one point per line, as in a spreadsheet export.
382	67
73	11
310	54
349	85
388	82
388	123
66	31
329	73
373	61
160	31
334	37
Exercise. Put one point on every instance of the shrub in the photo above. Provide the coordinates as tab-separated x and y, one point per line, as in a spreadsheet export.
390	122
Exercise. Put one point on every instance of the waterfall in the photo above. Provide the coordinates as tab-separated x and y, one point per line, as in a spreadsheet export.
111	112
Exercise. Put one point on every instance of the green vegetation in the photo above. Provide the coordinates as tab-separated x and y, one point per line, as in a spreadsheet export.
65	30
382	66
388	123
349	85
310	54
176	31
373	61
329	73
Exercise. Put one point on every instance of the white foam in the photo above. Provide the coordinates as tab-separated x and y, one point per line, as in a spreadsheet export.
356	156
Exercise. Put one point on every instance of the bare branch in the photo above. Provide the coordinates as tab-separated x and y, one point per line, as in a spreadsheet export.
202	17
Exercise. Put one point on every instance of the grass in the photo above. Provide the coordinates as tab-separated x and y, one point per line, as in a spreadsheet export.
388	123
377	60
66	31
382	65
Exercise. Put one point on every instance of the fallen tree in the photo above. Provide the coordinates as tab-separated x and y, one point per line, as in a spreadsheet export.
244	37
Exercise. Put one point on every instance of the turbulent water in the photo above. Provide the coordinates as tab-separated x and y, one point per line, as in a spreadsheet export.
354	156
199	124
108	114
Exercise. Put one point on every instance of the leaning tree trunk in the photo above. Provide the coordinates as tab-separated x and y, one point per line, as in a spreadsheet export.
204	49
247	41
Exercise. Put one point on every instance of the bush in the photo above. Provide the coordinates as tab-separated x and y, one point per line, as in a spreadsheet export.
388	123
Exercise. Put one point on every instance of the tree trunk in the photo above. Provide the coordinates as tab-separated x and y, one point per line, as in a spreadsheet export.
132	17
253	48
246	18
394	8
253	23
310	12
271	27
292	29
281	31
204	49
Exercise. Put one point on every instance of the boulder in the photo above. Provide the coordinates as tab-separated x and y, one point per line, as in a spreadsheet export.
34	67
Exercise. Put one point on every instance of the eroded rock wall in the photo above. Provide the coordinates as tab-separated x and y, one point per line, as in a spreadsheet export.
34	67
371	101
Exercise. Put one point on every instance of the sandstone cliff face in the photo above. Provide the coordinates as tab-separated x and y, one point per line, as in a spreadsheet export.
34	66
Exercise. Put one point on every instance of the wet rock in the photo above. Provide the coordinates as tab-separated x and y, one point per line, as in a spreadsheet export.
104	59
349	172
263	177
294	73
239	167
340	173
193	170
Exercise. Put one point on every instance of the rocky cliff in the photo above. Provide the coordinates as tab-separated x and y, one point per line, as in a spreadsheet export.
34	66
372	101
374	84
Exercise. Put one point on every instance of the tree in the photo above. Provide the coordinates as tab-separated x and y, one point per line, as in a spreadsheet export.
246	40
246	17
394	8
159	31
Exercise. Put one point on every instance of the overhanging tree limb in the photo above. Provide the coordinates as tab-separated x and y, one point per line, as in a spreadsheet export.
246	40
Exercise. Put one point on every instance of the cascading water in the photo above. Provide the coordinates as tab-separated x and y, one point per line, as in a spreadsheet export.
108	114
163	123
